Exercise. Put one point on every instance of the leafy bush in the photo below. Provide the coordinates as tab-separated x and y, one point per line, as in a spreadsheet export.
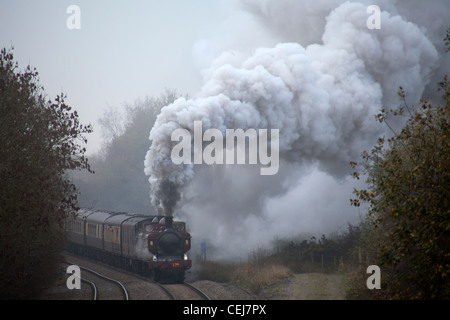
39	141
408	192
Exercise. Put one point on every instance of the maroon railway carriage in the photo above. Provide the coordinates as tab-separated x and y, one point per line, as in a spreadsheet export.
140	243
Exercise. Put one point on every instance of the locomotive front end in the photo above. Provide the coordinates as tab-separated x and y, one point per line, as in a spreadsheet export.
169	242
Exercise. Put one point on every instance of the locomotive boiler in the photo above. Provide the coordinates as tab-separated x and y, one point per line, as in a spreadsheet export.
149	245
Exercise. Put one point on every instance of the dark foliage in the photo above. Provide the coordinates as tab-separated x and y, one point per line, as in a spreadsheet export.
39	141
408	193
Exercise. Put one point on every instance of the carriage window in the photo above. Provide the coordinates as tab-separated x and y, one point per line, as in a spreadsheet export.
92	229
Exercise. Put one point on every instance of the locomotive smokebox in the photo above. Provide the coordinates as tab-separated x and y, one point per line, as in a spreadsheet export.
169	222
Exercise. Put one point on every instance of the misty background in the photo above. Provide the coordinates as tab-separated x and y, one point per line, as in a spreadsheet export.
131	59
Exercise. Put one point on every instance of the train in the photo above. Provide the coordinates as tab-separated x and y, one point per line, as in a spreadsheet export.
154	246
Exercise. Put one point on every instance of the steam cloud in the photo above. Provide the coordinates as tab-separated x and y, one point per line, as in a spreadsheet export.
320	86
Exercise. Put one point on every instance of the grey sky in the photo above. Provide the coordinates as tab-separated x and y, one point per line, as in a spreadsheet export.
124	50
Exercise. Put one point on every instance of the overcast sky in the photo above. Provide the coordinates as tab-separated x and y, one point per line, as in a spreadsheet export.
125	50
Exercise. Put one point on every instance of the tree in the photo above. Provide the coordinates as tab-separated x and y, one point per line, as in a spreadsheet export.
408	193
119	182
39	142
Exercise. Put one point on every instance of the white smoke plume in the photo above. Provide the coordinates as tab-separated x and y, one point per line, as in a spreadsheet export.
320	86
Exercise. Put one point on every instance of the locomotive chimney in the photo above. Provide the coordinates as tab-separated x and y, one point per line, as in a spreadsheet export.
169	221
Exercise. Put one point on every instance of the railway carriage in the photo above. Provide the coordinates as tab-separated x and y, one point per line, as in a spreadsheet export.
140	243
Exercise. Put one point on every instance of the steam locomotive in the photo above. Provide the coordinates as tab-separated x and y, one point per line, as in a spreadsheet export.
149	245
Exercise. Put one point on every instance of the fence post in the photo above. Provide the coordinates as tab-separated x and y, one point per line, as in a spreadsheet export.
341	263
359	258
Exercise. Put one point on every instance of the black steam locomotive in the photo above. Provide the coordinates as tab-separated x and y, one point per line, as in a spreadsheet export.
143	244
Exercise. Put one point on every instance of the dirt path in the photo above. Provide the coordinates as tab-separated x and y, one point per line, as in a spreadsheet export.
308	286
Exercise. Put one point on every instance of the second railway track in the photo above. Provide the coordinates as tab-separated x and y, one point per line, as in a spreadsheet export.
103	287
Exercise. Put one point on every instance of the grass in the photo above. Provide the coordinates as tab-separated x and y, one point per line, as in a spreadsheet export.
251	276
257	277
355	279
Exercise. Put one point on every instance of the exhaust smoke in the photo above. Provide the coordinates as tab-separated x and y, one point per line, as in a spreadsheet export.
321	90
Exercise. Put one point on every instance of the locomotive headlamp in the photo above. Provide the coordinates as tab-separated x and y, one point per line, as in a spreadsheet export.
185	257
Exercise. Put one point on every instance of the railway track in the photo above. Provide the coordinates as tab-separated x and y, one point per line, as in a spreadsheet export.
182	291
93	286
166	291
197	290
105	284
